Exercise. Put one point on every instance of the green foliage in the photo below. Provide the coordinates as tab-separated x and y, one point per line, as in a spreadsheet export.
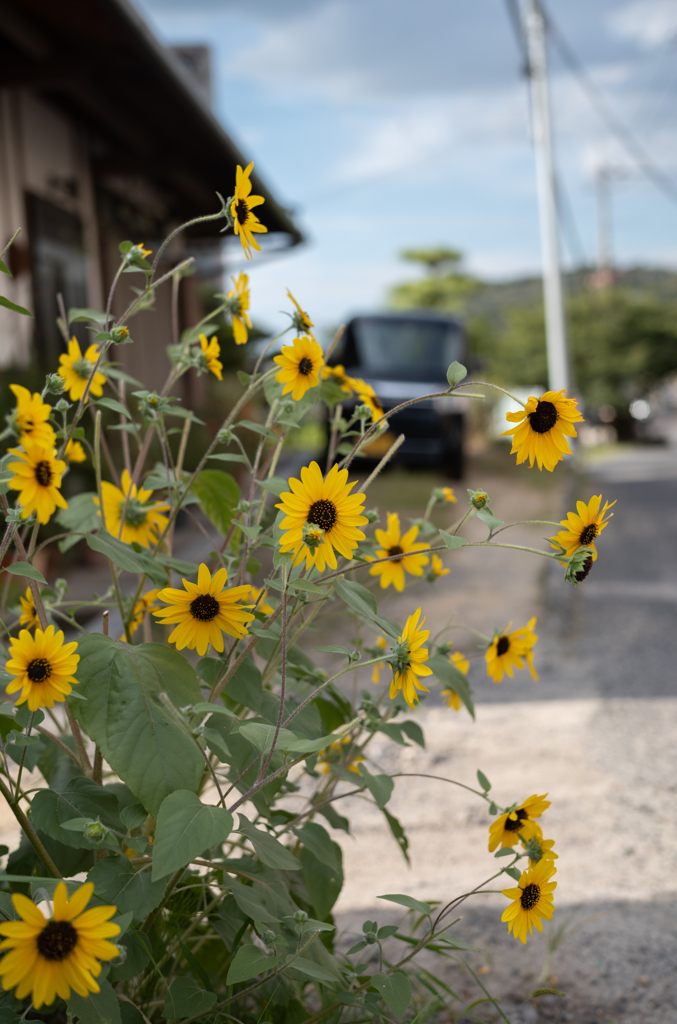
218	494
185	829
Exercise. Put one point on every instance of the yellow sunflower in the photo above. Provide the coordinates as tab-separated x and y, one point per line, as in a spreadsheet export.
336	753
543	427
143	605
583	526
339	376
301	364
209	358
509	827
437	568
367	396
507	650
203	611
408	657
376	669
48	958
38	479
31	416
404	547
253	596
75	452
448	494
29	616
44	667
532	900
239	307
76	370
451	698
143	521
300	318
246	223
321	515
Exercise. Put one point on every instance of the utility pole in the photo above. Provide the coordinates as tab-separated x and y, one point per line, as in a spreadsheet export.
555	326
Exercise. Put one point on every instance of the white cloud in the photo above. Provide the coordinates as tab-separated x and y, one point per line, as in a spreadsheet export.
651	23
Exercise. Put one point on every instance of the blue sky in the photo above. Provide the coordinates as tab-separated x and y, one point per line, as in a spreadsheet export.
386	124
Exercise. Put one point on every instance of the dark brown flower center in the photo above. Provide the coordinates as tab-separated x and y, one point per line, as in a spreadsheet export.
241	211
43	473
531	894
57	940
39	670
587	566
204	608
588	534
515	824
396	550
503	645
543	418
322	513
305	366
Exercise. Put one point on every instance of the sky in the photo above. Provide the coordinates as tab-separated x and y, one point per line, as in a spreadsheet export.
391	124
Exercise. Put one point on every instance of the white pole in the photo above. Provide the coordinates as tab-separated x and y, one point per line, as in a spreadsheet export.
555	328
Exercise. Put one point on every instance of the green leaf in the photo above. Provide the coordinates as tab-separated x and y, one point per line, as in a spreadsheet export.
269	851
261	736
251	532
448	674
380	786
414	731
514	873
335	649
227	457
27	570
488	519
456	373
361	601
14	307
84	315
274	485
218	494
252	901
395	989
81	798
119	882
316	839
399	835
483	781
247	963
139	738
4	268
114	406
387	930
324	880
125	557
97	1007
407	901
452	542
81	516
306	587
186	828
258	428
185	998
312	970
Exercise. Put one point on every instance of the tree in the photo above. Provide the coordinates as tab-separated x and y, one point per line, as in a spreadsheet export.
445	288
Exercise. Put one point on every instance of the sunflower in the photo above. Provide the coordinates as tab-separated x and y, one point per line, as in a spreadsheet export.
209	356
537	848
143	521
43	666
532	900
404	547
203	611
76	370
367	396
301	364
543	427
321	515
519	823
38	479
143	605
48	958
29	616
263	606
376	669
31	416
451	698
238	308
246	223
448	494
335	754
339	376
507	650
436	568
300	318
408	657
583	526
75	452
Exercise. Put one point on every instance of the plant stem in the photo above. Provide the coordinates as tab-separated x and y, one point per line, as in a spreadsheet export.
31	834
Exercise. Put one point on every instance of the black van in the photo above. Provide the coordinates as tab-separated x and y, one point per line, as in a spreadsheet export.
406	355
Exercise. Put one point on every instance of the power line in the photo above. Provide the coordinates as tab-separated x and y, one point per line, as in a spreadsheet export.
632	145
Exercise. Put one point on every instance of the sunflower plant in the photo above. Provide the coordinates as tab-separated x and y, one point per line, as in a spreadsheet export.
178	750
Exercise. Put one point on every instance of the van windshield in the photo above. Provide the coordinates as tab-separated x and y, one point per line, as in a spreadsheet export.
406	349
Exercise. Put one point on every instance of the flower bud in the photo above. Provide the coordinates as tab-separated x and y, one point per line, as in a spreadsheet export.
313	536
370	938
95	830
224	436
300	916
54	384
120	335
363	412
268	937
62	405
371	516
479	498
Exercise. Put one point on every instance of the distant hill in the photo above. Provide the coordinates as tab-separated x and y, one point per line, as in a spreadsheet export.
495	298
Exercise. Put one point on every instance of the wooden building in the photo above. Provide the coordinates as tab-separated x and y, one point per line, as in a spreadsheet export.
105	135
